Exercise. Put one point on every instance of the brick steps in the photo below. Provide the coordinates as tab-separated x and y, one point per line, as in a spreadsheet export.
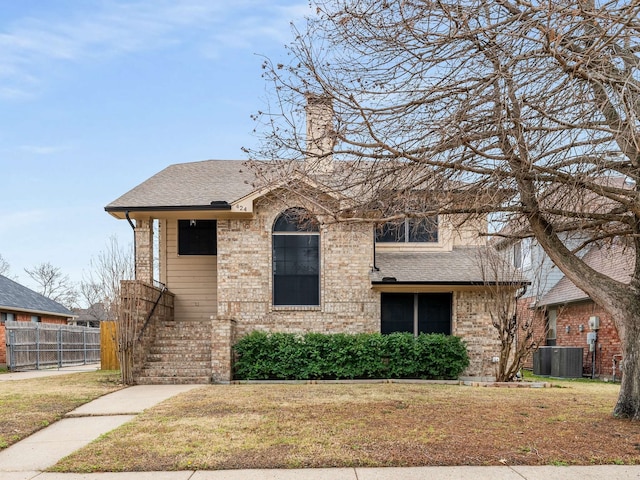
181	354
164	380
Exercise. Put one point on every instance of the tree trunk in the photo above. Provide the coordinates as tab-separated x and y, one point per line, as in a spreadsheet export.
628	405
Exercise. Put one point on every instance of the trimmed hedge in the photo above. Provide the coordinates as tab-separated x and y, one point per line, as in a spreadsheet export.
316	356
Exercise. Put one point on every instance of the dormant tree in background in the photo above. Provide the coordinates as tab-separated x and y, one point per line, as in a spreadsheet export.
4	266
5	269
514	326
54	284
527	110
103	284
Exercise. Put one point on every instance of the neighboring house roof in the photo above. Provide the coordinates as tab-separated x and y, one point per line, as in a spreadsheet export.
16	297
569	198
96	312
194	184
460	266
615	261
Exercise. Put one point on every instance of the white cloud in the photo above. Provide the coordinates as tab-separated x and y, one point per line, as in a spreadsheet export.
42	149
31	47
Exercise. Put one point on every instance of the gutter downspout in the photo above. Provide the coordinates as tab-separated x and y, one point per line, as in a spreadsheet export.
375	267
135	253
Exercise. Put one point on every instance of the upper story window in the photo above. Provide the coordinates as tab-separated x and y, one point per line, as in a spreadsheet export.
423	230
296	259
197	237
522	253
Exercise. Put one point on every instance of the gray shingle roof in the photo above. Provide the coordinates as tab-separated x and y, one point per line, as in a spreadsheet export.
190	184
14	296
459	266
616	262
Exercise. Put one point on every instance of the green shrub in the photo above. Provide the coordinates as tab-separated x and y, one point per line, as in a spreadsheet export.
283	356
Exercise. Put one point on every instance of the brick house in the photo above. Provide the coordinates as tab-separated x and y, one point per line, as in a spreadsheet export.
21	304
564	312
235	258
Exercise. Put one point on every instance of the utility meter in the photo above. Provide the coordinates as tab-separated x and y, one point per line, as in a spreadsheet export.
591	340
594	323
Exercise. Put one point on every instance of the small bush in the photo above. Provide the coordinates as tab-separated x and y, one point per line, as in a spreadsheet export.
283	356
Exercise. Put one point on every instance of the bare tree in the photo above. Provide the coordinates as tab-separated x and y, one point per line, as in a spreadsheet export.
514	322
102	284
4	266
529	110
110	269
53	284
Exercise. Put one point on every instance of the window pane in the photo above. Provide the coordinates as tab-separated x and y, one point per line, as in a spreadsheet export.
423	230
552	323
391	232
197	237
295	220
396	312
434	313
296	270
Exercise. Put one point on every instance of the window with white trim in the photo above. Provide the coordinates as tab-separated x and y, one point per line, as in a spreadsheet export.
296	259
423	230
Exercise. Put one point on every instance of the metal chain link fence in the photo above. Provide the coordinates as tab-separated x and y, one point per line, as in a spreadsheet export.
41	345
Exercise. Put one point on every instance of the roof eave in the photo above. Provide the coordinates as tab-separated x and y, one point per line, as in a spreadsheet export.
12	308
120	212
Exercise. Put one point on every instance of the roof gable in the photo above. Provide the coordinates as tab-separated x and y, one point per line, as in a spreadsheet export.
14	296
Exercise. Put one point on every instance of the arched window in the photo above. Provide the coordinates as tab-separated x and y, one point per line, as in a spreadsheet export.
296	259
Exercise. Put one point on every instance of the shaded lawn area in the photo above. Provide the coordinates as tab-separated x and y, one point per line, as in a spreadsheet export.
295	426
26	406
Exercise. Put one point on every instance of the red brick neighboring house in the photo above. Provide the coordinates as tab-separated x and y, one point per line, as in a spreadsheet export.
21	304
566	311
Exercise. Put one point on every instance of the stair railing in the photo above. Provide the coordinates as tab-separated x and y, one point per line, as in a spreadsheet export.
163	289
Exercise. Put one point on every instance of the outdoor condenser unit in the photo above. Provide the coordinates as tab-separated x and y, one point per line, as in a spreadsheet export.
566	362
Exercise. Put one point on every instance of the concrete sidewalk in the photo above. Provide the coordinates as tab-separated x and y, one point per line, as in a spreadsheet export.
26	459
598	472
48	372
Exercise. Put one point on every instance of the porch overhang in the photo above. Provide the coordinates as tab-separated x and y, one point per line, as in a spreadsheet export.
219	208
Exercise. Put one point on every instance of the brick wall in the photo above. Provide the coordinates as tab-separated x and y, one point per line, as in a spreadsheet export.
608	343
348	304
138	299
472	322
245	282
573	315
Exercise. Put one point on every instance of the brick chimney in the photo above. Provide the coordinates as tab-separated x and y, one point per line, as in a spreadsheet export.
320	134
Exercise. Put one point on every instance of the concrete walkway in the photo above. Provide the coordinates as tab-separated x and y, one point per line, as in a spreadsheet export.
48	372
26	459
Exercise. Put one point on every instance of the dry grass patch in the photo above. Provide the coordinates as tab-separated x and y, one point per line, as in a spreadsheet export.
292	426
26	406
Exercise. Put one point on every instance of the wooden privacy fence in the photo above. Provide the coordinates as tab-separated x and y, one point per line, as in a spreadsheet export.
108	346
39	345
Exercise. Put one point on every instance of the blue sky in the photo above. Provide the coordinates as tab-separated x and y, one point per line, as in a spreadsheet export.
98	95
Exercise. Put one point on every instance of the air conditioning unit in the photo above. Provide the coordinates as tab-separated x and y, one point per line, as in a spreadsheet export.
542	361
566	362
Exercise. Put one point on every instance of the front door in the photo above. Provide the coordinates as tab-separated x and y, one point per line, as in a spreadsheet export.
416	313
